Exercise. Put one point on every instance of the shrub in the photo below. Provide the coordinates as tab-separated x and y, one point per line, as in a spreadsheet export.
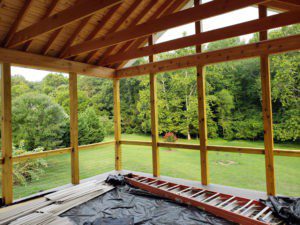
28	170
170	137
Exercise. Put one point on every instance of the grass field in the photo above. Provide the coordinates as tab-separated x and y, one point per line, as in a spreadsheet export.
232	169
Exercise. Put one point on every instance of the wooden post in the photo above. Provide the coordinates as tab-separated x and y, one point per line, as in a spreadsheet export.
74	128
267	112
117	123
202	110
6	135
154	118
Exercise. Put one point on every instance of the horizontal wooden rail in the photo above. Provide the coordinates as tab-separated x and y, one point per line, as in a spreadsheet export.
216	148
143	143
58	151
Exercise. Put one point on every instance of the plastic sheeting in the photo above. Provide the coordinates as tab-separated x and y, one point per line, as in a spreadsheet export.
126	205
285	208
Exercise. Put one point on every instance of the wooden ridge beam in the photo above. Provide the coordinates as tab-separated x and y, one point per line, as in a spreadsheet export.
253	26
207	10
274	46
74	13
54	64
17	22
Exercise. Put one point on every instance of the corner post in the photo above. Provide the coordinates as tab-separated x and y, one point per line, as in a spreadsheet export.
117	124
7	164
154	117
267	111
202	110
74	128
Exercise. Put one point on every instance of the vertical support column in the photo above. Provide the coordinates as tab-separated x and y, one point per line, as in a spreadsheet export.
117	123
202	110
267	111
6	135
74	128
154	118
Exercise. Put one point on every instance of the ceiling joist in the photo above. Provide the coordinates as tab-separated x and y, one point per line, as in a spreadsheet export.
74	13
207	10
234	53
253	26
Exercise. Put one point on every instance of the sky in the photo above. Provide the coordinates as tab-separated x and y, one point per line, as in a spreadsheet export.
238	16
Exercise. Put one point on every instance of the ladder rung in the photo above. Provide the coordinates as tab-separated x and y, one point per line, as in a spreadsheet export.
161	185
197	193
184	190
266	217
173	187
244	206
247	210
230	204
211	197
142	180
228	200
260	213
152	182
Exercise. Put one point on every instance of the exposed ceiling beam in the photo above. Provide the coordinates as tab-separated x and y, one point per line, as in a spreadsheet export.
26	59
142	41
234	53
118	23
282	5
49	11
167	7
74	13
17	21
253	26
207	10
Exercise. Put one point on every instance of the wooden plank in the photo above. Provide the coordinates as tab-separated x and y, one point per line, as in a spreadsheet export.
74	13
207	10
285	5
154	117
100	144
248	27
267	111
6	135
202	122
179	145
14	27
117	125
274	46
74	128
54	64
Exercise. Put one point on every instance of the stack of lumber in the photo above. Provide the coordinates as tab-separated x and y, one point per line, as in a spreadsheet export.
48	209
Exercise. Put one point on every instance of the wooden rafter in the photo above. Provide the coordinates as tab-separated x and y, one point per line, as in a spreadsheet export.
253	26
97	29
234	53
163	9
282	5
207	10
117	25
74	13
179	4
56	33
17	22
53	64
49	11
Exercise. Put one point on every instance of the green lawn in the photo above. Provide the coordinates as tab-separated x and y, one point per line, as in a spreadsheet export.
232	169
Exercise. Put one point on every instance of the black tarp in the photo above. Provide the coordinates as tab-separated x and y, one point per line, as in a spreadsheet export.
126	205
286	208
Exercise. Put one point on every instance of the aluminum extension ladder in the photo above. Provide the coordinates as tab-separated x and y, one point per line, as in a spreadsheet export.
235	209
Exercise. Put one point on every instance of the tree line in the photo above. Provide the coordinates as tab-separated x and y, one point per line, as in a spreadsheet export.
233	94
